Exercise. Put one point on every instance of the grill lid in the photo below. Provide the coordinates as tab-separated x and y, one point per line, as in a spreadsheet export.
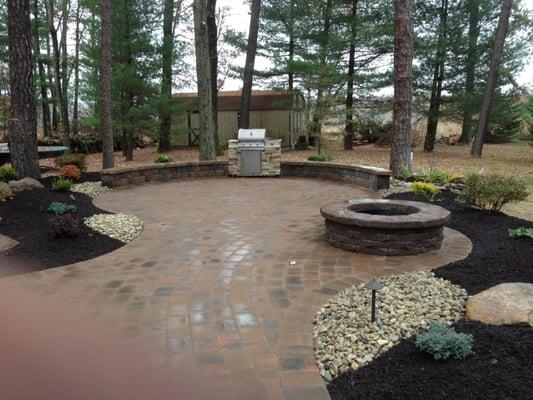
255	135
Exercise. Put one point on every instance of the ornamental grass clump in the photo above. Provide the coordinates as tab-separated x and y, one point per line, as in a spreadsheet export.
62	184
5	191
492	191
61	208
443	343
521	233
8	174
427	190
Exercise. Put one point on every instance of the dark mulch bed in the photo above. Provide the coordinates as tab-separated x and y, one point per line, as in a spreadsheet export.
501	368
495	258
26	219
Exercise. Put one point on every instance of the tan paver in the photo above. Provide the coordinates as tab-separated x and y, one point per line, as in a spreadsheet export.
209	285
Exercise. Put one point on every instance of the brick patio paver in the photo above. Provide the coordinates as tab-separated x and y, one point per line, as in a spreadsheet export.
226	278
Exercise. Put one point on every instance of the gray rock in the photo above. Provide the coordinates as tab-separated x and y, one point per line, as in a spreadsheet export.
6	243
506	303
25	184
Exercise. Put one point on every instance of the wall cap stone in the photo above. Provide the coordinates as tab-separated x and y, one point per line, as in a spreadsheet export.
352	167
162	166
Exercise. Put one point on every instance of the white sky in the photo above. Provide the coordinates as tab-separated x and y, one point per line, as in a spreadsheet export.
239	19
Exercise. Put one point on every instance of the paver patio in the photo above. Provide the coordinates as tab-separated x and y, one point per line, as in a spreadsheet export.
210	285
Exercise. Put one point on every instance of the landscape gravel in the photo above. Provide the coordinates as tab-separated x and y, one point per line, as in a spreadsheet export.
91	189
121	227
344	336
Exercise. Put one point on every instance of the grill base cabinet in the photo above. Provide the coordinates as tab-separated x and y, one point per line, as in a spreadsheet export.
253	155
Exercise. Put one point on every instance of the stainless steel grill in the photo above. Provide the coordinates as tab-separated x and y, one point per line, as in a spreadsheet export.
251	143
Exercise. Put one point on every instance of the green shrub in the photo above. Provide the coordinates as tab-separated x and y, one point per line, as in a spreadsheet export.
518	233
163	160
491	192
61	208
77	159
62	184
406	172
319	157
428	190
8	174
5	191
443	342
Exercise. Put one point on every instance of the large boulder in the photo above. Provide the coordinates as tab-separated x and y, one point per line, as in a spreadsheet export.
6	243
25	184
506	303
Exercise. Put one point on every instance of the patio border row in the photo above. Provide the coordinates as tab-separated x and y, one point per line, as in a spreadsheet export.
360	175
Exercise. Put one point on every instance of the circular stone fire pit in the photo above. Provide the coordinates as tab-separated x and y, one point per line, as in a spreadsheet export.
385	227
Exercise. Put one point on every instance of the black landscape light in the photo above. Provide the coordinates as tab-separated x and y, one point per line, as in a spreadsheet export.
374	285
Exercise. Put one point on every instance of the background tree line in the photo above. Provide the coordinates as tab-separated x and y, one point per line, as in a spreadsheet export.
339	53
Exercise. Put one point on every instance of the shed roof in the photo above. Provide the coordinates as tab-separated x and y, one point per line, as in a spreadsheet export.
262	100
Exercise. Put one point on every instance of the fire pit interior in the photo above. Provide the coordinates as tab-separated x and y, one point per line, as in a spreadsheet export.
385	227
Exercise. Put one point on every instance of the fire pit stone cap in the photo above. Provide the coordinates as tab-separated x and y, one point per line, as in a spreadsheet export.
411	215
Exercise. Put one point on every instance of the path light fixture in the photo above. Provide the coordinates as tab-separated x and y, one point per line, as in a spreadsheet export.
374	285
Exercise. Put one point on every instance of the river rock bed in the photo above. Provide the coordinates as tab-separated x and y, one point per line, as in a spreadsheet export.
345	338
122	227
91	189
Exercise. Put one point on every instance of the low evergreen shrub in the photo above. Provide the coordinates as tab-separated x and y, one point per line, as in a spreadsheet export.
443	342
518	233
61	208
163	159
492	191
319	157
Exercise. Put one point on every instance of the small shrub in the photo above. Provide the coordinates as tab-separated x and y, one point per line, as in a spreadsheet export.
406	172
77	159
62	184
70	171
61	208
8	174
5	191
163	160
491	192
428	190
64	226
319	157
443	342
526	233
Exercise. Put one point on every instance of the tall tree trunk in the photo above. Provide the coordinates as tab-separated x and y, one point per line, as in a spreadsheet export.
438	77
61	97
471	58
501	32
247	82
165	115
51	83
349	130
75	108
212	34
204	79
45	109
323	48
108	159
23	125
291	47
403	64
128	92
